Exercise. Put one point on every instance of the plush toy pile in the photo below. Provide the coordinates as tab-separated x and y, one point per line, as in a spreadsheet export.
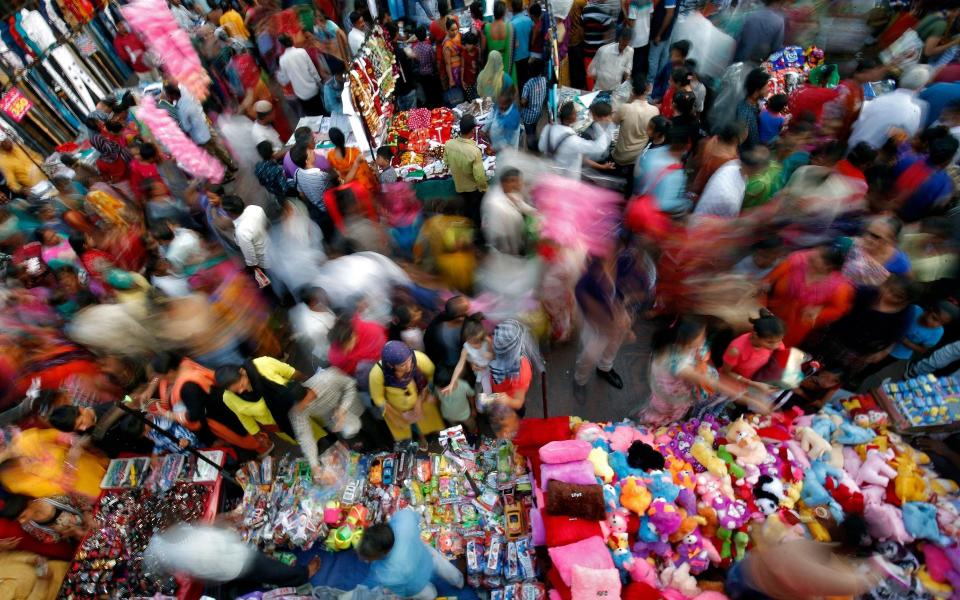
633	513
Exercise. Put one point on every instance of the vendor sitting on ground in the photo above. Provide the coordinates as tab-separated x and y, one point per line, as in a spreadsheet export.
401	562
113	430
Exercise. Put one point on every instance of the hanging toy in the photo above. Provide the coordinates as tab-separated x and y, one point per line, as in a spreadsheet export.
190	157
162	35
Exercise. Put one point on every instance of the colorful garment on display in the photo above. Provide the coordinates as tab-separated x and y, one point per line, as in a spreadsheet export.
158	28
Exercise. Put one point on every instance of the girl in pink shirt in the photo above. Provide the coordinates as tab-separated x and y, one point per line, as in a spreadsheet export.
748	353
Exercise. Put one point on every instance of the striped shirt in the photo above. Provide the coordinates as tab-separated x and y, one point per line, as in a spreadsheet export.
535	92
313	183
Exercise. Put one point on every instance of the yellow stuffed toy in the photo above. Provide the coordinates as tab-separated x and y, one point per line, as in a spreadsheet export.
601	464
707	457
635	496
909	483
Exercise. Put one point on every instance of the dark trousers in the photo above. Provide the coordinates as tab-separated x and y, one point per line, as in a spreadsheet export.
313	107
578	72
471	209
523	72
269	571
532	141
640	59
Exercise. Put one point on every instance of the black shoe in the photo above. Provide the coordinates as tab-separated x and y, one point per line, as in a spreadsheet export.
579	393
611	377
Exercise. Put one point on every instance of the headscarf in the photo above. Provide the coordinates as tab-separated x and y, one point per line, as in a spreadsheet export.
490	79
394	354
511	342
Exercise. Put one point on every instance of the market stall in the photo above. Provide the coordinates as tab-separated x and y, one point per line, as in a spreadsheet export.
625	510
368	93
142	496
473	504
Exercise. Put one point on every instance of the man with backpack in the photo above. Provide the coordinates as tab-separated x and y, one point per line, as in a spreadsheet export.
561	143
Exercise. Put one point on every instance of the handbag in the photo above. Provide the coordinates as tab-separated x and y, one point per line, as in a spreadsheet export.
643	213
453	96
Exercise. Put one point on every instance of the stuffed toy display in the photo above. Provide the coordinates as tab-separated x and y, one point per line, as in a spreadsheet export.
665	506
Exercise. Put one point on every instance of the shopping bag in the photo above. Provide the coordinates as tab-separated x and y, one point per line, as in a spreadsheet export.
904	52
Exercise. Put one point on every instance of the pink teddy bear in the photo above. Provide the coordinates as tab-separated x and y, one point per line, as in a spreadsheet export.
884	521
875	469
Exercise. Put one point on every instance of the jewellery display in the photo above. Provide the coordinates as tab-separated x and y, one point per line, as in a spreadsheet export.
109	562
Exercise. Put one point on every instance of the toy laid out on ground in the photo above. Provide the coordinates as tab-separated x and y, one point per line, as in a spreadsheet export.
665	512
472	502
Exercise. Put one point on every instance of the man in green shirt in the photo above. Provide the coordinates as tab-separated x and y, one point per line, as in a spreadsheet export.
465	161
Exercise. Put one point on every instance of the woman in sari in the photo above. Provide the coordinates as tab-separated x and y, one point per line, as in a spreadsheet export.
46	462
451	49
349	163
493	79
807	290
874	256
399	384
498	37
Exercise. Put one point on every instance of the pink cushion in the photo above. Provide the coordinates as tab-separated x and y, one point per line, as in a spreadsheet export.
554	595
580	471
537	528
591	552
565	451
595	583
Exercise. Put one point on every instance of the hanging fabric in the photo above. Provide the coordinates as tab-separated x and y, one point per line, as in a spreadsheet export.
40	33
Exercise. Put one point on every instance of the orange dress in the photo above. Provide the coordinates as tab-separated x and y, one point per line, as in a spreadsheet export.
805	305
342	166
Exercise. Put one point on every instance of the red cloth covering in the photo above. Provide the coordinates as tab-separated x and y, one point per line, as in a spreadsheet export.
811	99
556	582
58	551
562	530
639	590
948	74
537	432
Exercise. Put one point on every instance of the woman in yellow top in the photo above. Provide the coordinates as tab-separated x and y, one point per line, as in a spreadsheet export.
399	384
445	247
349	163
261	393
46	462
21	578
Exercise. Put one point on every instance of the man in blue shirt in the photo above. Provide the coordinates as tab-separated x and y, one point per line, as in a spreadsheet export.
522	28
401	562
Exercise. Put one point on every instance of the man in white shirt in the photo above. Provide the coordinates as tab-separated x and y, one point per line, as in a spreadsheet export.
297	69
217	554
358	33
561	143
262	130
613	63
250	226
723	195
311	321
899	109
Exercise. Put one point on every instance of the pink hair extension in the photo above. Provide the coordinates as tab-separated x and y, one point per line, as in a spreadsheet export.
190	157
155	23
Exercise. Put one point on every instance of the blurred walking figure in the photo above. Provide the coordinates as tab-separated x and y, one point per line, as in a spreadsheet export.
606	323
218	555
